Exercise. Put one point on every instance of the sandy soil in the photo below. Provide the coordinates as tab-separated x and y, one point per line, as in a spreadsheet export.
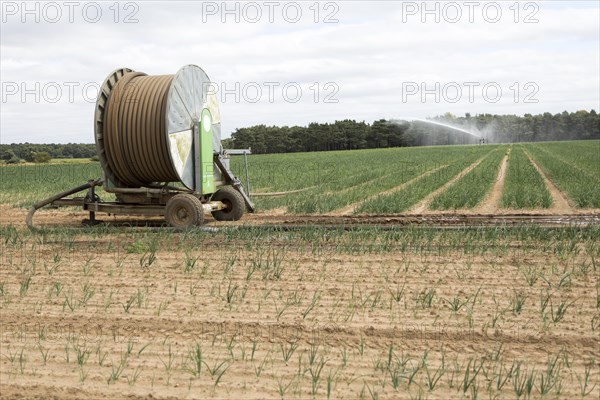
83	318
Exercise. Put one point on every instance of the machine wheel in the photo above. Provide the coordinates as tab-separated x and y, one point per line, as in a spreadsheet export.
184	211
234	204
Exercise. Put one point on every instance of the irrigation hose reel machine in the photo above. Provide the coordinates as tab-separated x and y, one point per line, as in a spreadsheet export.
158	140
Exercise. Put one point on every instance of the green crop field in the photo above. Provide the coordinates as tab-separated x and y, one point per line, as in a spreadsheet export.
374	181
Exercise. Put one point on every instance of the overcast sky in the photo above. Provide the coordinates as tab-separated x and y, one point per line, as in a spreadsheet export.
362	60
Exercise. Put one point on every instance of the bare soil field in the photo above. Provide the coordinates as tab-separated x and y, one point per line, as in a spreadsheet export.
382	310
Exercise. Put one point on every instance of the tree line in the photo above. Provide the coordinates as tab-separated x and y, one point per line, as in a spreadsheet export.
31	152
351	135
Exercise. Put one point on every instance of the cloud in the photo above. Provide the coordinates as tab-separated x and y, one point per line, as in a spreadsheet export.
370	55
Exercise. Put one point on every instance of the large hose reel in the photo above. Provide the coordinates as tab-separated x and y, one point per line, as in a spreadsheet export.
151	130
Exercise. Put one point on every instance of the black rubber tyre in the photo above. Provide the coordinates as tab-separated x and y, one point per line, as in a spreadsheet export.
184	211
234	202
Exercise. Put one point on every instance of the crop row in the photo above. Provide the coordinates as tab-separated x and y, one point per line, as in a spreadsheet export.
410	195
585	155
395	175
361	174
582	188
524	187
472	188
